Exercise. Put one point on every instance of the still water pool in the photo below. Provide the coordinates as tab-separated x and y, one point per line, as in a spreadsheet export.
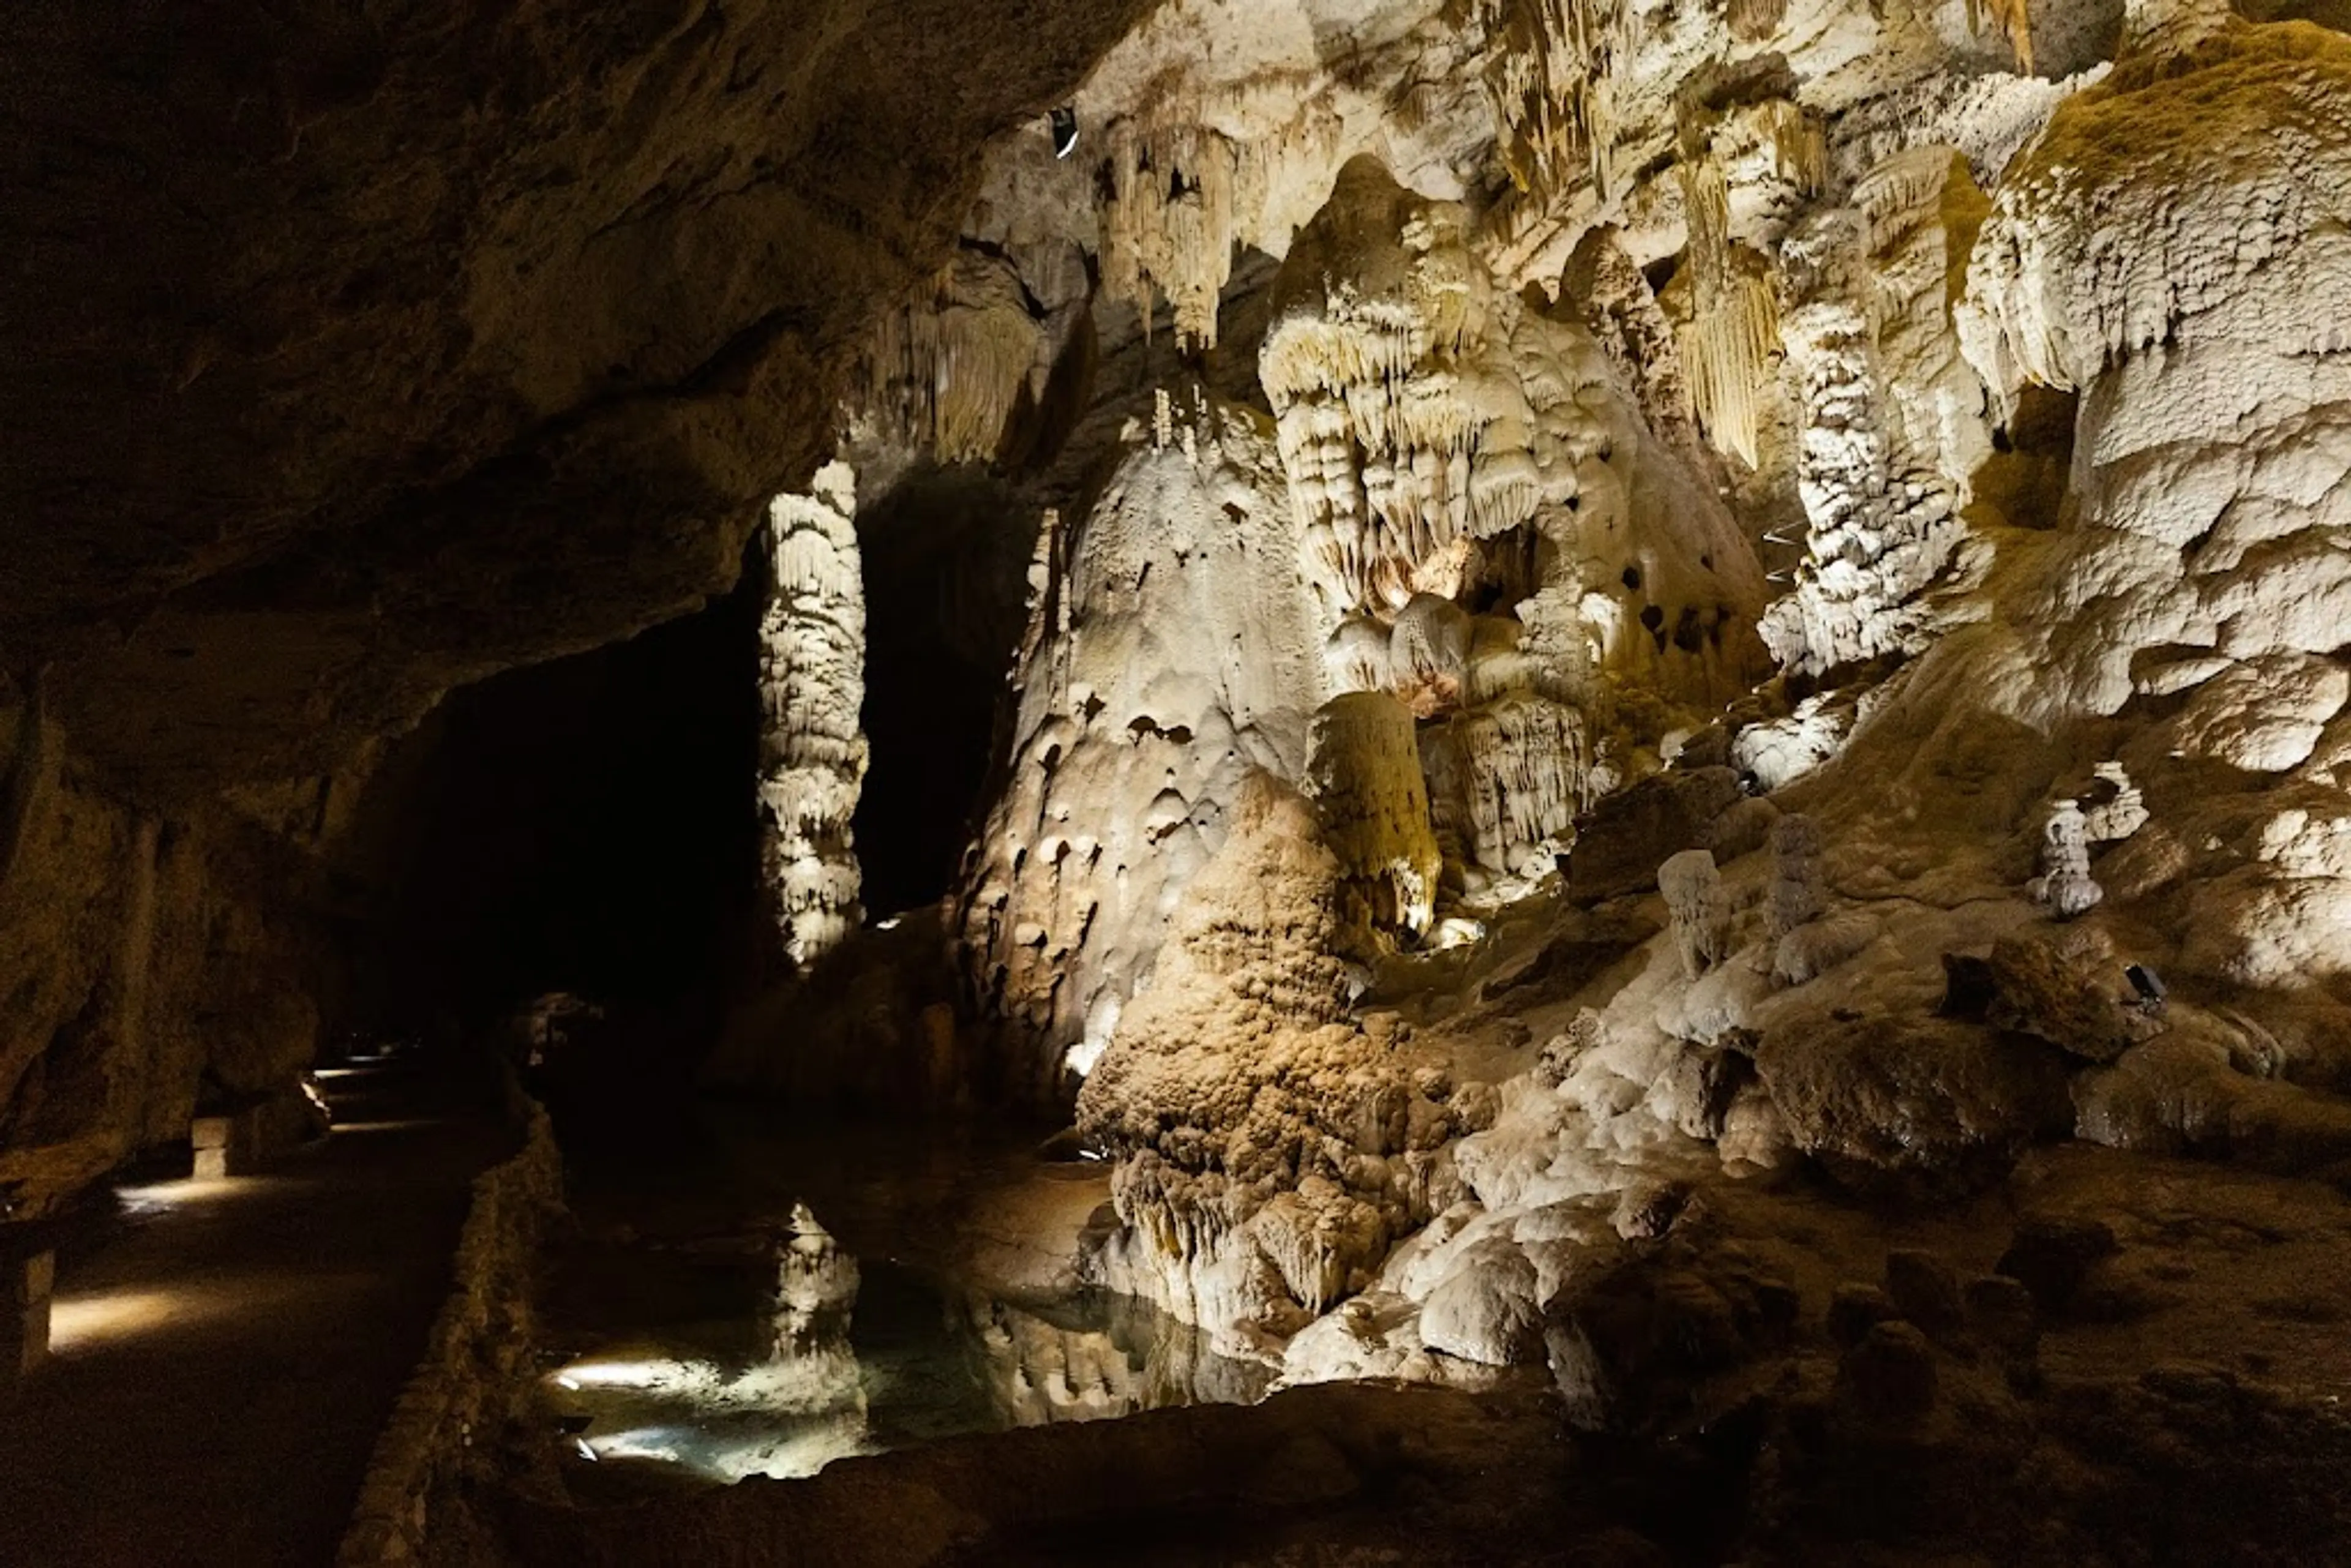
787	1297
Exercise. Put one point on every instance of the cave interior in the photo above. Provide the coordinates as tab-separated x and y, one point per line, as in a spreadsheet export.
1240	781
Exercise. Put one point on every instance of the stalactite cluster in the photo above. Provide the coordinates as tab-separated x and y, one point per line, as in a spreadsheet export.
1552	86
945	373
1180	194
1733	332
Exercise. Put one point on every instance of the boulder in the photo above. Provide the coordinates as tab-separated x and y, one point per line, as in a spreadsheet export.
1486	1310
2068	988
1924	1105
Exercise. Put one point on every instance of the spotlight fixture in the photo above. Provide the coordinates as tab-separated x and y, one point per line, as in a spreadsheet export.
1064	122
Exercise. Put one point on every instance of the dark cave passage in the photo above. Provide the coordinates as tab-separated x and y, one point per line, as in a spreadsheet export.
585	825
946	556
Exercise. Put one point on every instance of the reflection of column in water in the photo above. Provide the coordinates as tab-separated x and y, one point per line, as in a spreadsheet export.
1037	1372
816	1286
811	1366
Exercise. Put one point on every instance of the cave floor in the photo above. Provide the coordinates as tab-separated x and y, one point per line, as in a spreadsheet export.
224	1357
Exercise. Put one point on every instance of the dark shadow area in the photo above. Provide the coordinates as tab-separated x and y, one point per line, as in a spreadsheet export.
585	825
947	571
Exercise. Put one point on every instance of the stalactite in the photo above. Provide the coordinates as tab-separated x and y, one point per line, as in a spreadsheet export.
1526	771
1734	330
1553	89
1752	21
1402	423
946	371
1180	195
2014	19
812	685
1620	309
1728	349
1800	148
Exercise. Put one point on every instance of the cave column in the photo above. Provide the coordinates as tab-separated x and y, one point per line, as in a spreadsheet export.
812	686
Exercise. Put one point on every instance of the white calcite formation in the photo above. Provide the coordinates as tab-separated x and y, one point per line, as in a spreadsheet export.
1892	424
1527	768
812	684
2030	388
1164	662
2173	252
2064	882
1425	414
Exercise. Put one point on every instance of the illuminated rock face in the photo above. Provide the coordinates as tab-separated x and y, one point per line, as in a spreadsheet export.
2046	661
1462	438
2212	491
1169	655
1435	443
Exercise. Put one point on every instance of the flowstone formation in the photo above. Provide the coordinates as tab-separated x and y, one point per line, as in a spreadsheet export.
1270	1147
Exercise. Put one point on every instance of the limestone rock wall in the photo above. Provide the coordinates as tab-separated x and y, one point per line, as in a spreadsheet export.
365	355
148	958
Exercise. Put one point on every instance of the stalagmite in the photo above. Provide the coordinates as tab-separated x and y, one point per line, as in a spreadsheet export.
1700	911
812	684
1892	431
816	1286
2121	813
1162	664
1622	311
2064	883
1796	875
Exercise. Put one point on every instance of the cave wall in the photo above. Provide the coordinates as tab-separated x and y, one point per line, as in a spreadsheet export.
151	956
367	354
358	354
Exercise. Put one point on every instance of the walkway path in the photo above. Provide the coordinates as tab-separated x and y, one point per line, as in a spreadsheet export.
224	1356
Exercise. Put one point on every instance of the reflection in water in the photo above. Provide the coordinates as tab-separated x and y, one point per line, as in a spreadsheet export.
1104	1356
816	1377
